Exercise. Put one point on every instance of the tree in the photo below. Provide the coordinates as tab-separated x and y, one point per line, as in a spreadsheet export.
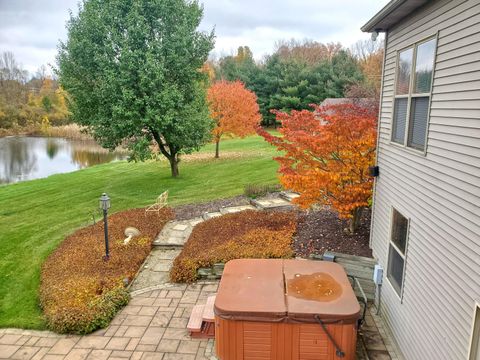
132	71
327	161
238	67
369	55
291	83
308	51
234	110
12	80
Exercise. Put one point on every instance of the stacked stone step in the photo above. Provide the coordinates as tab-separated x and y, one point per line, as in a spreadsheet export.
213	273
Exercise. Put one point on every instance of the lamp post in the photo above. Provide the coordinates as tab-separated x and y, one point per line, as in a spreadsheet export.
104	204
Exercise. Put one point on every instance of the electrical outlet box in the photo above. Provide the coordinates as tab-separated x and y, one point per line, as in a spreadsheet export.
378	275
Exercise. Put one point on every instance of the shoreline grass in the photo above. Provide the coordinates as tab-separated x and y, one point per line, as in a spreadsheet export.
35	216
69	131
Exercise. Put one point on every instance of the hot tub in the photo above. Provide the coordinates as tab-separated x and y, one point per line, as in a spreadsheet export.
285	309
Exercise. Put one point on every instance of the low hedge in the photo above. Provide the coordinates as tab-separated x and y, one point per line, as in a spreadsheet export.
247	234
80	291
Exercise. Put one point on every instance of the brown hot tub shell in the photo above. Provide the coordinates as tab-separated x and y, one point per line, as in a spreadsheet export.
269	309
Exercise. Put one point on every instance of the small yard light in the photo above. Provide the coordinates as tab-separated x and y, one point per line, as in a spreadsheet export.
104	204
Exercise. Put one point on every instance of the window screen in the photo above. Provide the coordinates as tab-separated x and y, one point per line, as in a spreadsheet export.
418	122
413	87
424	67
404	71
397	250
399	120
395	269
399	231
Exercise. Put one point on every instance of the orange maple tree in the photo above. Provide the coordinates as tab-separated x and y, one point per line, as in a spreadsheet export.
326	155
234	110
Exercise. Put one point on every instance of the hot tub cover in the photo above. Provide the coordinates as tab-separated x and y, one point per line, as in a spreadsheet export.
252	289
277	290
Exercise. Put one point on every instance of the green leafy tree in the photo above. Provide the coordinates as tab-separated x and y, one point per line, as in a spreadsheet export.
132	70
239	67
291	83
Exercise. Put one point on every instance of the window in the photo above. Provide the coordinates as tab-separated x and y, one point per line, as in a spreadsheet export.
412	94
475	341
397	251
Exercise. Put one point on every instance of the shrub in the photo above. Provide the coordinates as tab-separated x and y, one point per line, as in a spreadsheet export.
247	234
79	291
256	190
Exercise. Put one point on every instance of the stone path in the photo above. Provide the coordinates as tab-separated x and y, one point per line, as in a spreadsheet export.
268	204
153	325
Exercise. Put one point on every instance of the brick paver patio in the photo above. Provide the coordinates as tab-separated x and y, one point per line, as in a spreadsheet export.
152	326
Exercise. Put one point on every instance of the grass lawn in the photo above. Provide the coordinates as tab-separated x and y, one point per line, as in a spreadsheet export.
35	216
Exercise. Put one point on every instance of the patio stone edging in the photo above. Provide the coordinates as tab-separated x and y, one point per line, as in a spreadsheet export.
167	286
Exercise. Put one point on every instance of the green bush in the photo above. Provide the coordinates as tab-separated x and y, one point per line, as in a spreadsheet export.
257	190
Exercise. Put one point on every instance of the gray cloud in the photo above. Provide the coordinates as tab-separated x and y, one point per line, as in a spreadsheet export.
32	28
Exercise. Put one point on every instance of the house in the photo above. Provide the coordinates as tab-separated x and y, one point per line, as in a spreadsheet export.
370	103
342	101
426	212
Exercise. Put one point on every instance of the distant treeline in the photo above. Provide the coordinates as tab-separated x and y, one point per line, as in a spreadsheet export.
300	73
296	75
29	103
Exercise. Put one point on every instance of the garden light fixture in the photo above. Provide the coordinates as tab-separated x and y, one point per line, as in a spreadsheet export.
104	204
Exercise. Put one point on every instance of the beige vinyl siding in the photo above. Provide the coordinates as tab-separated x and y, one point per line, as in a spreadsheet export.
438	191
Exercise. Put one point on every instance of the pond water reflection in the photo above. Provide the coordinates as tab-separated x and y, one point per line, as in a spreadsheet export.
26	158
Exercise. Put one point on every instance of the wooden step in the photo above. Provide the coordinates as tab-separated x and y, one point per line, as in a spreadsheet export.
208	312
196	319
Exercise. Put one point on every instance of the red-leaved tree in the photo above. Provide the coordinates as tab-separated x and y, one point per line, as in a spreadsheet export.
234	110
326	155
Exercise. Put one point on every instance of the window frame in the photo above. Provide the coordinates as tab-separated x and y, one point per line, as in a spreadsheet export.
475	333
411	95
402	255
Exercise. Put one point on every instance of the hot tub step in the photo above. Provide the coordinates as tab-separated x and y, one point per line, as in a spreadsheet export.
196	319
202	320
208	313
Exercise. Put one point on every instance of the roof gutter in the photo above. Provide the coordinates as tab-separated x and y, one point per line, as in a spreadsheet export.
370	26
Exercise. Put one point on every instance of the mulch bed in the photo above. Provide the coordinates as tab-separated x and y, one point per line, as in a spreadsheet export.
317	231
79	290
190	211
321	230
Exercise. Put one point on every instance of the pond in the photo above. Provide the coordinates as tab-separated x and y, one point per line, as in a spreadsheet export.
26	158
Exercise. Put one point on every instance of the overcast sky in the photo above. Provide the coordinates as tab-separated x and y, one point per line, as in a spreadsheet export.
31	29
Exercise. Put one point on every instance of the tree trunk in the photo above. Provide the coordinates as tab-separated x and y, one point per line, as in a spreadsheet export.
174	166
217	148
170	153
355	220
